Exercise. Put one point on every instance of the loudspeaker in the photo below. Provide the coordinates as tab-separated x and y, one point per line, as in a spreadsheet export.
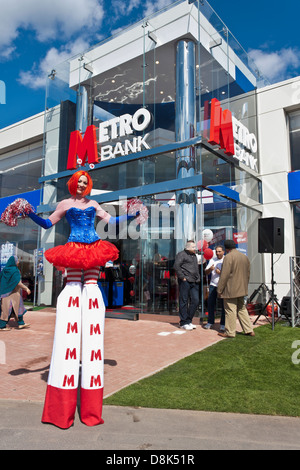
271	235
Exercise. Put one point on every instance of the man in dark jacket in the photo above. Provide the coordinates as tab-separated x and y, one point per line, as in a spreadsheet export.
186	267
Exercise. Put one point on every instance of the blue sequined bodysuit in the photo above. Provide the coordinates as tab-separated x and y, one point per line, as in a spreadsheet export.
82	223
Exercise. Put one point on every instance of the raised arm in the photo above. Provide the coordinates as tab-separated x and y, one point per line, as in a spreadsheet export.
55	217
110	219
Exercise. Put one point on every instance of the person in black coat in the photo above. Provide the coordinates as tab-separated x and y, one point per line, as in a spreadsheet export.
186	267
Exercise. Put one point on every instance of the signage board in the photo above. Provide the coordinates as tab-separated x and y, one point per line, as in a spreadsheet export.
85	149
230	134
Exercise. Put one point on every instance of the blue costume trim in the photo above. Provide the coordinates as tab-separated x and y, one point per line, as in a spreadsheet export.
44	223
120	219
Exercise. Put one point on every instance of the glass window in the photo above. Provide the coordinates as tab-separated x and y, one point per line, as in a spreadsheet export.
296	208
24	238
20	173
216	171
294	121
145	81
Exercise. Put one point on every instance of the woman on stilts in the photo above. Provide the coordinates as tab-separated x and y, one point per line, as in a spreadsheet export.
80	311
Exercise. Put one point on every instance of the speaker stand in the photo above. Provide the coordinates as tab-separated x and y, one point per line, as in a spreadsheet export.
272	299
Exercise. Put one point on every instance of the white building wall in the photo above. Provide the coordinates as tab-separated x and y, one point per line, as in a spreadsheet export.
273	102
22	133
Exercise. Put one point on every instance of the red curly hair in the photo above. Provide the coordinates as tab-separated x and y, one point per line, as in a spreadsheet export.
73	182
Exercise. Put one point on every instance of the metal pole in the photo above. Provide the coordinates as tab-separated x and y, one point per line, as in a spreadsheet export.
272	280
292	292
82	109
185	128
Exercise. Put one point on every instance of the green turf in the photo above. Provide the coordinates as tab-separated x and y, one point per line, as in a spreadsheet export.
253	375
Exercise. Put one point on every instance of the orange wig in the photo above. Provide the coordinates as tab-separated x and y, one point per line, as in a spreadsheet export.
73	182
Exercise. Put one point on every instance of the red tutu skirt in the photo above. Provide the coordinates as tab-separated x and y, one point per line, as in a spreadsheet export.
82	255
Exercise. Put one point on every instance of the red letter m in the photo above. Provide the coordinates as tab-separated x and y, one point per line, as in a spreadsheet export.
73	302
68	381
72	328
95	330
95	381
96	355
93	303
221	131
70	354
83	147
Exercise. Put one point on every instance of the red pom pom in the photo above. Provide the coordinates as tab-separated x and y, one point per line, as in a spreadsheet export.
132	206
202	245
18	208
208	254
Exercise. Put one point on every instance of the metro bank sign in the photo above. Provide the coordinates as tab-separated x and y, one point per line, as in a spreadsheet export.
86	148
230	134
225	131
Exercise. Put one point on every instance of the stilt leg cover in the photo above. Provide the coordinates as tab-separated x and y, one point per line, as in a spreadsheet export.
59	407
92	373
91	406
61	396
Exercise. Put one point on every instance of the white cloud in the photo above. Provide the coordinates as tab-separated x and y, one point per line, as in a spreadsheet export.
122	8
48	19
277	65
152	7
36	77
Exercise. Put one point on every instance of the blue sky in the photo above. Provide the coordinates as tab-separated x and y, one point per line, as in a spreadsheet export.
35	35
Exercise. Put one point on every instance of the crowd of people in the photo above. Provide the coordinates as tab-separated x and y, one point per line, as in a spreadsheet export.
229	279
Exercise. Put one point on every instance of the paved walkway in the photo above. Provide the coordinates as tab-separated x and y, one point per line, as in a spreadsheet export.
133	350
147	430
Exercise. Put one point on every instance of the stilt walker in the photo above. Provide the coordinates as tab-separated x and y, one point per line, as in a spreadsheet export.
80	312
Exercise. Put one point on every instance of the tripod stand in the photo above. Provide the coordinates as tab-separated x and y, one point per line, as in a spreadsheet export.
272	297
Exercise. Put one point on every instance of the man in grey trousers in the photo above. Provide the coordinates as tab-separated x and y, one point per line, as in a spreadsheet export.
232	288
186	267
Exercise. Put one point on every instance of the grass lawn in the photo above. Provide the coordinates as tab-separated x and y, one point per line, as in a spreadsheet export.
253	375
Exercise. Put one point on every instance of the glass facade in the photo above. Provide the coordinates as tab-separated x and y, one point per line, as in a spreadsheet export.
294	126
19	176
191	76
